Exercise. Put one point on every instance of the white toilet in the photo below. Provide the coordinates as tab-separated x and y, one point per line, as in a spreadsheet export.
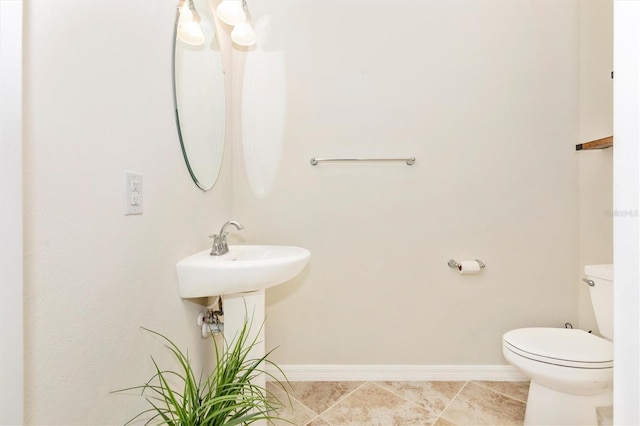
571	371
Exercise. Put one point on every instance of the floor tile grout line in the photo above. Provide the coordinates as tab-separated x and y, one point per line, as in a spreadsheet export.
318	417
379	387
345	396
400	396
312	420
439	416
299	402
291	397
326	421
498	392
451	401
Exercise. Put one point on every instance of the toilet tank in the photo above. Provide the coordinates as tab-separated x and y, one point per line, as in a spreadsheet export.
602	296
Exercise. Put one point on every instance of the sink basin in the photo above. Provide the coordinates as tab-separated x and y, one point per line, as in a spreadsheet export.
244	268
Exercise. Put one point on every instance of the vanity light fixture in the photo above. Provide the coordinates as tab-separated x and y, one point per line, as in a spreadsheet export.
244	35
235	13
232	12
189	29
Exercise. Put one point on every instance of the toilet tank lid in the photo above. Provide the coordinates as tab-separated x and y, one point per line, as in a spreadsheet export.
604	272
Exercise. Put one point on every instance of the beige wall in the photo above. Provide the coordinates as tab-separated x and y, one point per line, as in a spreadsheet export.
98	102
485	95
596	121
11	264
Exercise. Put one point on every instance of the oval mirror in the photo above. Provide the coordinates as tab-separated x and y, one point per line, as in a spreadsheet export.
198	84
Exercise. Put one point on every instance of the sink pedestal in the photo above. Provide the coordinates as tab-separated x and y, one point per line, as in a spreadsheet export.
241	276
239	308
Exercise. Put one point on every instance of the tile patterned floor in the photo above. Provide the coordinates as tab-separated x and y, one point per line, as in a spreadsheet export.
402	403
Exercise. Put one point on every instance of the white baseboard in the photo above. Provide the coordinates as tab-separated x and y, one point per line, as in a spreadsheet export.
320	373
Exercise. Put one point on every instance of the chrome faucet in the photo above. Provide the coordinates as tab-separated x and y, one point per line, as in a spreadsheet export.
220	240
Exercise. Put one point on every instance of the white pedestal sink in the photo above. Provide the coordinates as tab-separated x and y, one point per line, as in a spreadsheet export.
241	277
242	269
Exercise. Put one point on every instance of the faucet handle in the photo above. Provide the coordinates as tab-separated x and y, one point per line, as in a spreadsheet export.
219	246
220	240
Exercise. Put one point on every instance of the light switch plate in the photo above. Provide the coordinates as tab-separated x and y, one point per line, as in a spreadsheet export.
133	193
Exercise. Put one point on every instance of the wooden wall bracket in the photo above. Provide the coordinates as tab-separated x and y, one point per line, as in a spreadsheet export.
596	144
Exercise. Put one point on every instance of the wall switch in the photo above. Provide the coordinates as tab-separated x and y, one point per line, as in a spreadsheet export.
133	193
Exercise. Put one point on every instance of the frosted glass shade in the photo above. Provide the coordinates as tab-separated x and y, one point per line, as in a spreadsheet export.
189	30
231	12
191	33
244	35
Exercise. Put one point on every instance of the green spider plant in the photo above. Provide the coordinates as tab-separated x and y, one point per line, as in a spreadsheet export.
226	397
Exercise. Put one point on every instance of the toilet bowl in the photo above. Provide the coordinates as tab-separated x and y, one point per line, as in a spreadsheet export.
571	370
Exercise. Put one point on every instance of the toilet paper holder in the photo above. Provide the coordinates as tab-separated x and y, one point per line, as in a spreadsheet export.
453	264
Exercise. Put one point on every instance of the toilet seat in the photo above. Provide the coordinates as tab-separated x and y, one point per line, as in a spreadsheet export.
561	346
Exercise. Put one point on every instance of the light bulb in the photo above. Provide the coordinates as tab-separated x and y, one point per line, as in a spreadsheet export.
185	12
189	30
191	33
231	12
244	35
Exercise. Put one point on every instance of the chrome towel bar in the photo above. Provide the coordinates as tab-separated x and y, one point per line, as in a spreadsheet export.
409	161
